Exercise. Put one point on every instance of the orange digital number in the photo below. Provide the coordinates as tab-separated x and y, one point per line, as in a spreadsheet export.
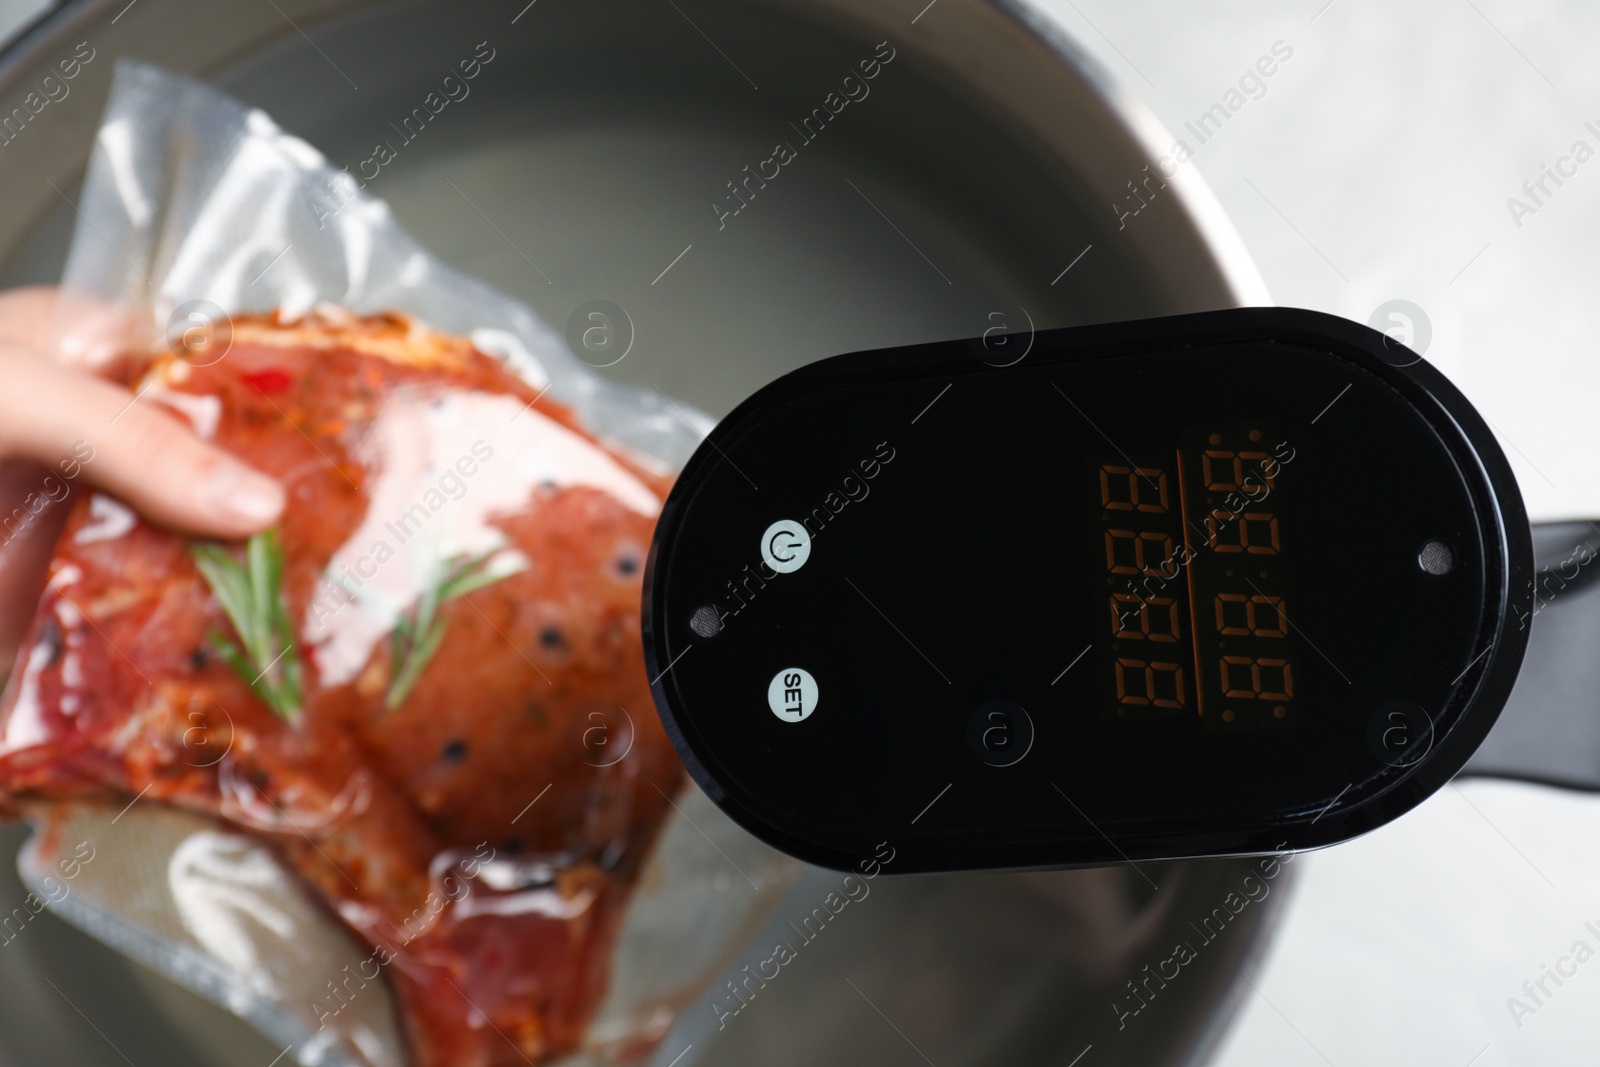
1129	552
1138	618
1254	532
1225	472
1250	616
1133	489
1269	679
1149	684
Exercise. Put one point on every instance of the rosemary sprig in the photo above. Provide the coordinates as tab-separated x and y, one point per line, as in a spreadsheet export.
416	637
251	596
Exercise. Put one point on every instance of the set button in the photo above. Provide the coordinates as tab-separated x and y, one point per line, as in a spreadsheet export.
792	694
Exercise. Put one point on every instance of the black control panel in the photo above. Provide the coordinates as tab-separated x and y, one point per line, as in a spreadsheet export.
1215	584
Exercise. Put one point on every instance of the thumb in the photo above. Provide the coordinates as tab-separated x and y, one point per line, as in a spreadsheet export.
145	457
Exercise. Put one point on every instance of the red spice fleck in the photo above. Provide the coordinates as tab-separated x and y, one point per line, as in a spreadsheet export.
269	381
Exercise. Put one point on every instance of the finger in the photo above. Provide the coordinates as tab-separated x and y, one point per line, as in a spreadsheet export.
33	505
139	453
76	330
26	315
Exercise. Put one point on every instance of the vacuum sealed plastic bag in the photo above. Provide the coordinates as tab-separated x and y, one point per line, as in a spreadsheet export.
196	207
419	702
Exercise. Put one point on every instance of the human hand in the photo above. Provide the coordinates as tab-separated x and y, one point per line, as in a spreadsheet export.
64	431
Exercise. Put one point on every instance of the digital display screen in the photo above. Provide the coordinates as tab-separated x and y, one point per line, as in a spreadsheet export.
1192	551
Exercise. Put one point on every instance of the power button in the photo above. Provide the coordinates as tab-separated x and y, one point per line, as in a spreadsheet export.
785	546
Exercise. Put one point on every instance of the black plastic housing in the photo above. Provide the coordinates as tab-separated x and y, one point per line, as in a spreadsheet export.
958	591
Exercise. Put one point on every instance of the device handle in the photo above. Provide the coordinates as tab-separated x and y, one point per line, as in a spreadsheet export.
1549	731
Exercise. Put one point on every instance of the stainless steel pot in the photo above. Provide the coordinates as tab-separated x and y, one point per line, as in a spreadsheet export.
596	158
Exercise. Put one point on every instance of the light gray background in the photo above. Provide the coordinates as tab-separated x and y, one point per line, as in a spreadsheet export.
1376	166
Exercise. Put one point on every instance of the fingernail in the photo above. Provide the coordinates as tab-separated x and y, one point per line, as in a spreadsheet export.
240	494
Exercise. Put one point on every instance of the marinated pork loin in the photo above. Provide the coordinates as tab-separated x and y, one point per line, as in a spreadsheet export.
425	687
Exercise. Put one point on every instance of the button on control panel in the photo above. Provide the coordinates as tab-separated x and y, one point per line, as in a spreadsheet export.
792	694
785	546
